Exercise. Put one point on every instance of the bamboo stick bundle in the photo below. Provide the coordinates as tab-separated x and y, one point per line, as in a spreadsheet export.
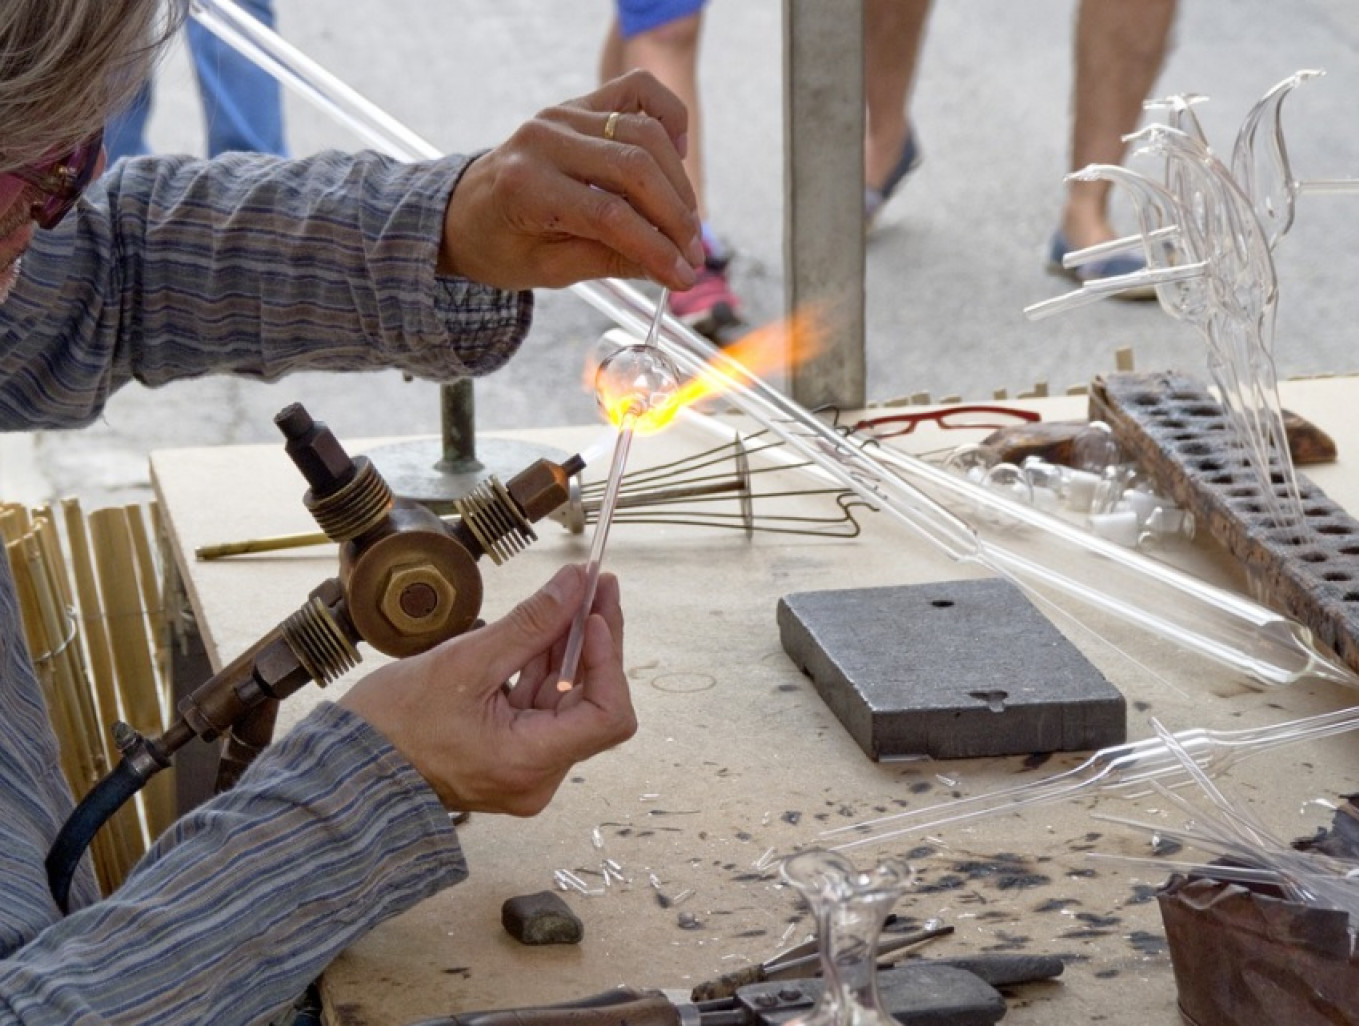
116	564
126	826
43	640
53	643
47	569
107	663
112	856
91	614
129	822
121	840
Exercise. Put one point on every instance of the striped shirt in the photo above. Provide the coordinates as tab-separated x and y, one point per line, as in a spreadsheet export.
255	266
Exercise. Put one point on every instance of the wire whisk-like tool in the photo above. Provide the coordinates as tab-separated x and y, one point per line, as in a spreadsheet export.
724	486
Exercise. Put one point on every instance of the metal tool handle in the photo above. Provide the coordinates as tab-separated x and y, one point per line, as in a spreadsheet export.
621	1007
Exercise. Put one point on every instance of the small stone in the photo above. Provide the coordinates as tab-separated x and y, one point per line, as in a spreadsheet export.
542	918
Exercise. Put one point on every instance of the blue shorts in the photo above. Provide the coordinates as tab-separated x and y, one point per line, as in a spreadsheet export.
636	16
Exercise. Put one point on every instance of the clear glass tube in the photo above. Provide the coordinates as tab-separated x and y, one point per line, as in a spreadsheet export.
635	386
1228	628
575	641
1129	770
1102	288
1238	833
1160	866
1115	247
1222	625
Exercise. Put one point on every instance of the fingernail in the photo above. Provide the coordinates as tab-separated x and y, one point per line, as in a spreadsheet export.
695	251
682	145
686	275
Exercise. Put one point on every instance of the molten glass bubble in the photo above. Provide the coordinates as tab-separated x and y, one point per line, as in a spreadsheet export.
640	382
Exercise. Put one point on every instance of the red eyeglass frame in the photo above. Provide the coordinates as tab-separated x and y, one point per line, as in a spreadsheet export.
62	181
887	426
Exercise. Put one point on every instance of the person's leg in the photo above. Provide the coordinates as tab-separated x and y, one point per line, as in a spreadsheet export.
669	51
662	37
242	104
893	33
611	63
1119	49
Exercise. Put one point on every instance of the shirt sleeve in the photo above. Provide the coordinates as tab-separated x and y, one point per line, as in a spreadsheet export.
237	908
247	264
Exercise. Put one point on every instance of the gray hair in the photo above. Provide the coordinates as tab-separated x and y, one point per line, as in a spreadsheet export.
66	65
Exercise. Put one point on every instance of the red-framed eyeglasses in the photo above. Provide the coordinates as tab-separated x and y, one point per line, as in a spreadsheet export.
957	417
62	180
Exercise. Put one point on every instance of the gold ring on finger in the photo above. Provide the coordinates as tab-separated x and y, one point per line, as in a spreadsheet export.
611	125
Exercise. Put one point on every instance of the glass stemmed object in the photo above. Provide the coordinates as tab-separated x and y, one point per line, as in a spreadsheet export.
637	388
850	908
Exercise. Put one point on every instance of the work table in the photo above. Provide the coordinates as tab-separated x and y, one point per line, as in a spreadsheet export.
737	760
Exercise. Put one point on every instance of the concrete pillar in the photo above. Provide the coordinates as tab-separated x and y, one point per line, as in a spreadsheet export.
823	191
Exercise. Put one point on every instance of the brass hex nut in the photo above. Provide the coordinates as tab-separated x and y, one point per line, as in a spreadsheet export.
418	598
539	489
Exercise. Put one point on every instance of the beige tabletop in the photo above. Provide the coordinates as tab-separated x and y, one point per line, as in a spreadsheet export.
738	761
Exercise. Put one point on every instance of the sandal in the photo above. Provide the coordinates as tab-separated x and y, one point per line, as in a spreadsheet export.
875	199
1109	267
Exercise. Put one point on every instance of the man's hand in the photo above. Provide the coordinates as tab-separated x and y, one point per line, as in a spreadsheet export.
486	747
558	202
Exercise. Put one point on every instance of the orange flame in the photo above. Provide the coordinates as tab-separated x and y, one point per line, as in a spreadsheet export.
776	346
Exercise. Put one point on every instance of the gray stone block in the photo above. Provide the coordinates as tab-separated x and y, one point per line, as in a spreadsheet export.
958	669
541	918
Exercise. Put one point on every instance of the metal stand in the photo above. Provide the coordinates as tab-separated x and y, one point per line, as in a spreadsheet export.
438	472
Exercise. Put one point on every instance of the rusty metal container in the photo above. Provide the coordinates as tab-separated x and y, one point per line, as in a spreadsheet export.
1246	957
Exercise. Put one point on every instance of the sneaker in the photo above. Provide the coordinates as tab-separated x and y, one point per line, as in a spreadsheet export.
709	307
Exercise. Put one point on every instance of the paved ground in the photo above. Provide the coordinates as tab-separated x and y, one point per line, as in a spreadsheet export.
955	258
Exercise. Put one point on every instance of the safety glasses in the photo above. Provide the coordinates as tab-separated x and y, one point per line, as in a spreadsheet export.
61	181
